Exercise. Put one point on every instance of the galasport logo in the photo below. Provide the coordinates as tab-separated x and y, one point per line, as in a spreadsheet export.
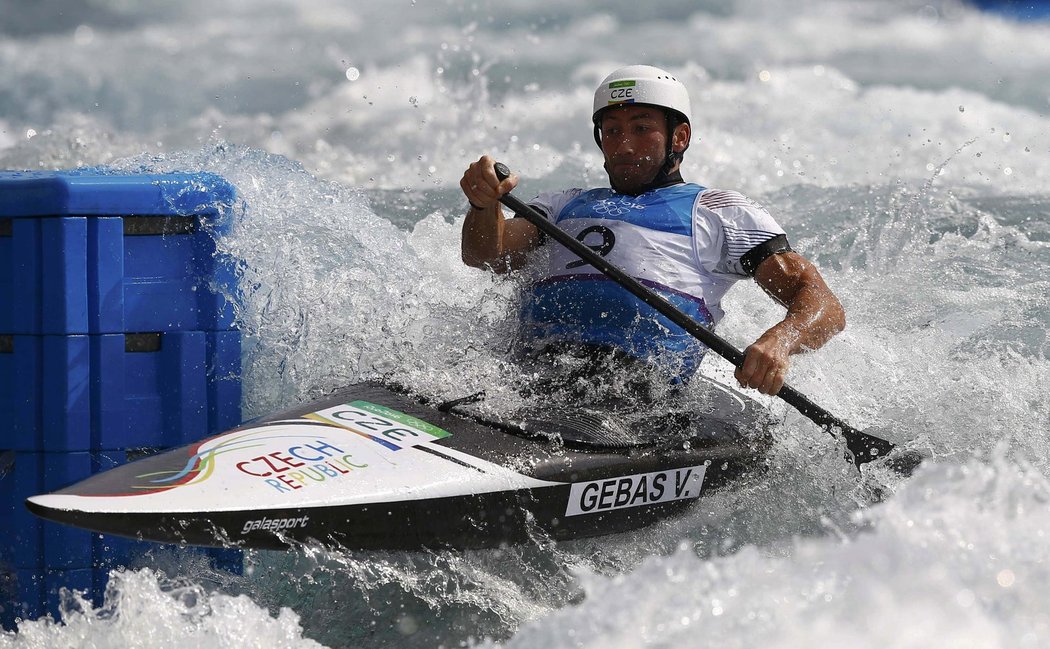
275	524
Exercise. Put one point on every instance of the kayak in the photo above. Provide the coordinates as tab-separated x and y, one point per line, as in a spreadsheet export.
372	467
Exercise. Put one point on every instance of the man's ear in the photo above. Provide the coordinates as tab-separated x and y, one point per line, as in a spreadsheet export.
680	138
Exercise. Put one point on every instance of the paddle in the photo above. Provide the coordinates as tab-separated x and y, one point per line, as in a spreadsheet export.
862	447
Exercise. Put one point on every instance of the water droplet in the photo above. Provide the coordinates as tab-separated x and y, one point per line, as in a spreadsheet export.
1005	578
407	625
83	35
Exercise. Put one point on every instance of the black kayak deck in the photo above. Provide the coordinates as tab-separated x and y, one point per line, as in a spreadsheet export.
585	488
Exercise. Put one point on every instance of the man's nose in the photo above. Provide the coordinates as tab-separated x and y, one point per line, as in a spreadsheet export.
623	144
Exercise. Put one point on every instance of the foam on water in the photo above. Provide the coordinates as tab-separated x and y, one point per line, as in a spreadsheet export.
144	608
903	145
969	536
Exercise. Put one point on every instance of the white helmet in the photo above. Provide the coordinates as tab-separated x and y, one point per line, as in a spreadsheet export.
642	84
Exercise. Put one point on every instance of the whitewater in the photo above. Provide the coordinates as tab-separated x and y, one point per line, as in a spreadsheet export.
904	145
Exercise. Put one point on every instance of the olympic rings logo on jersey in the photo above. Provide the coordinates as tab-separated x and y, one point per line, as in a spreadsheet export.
614	208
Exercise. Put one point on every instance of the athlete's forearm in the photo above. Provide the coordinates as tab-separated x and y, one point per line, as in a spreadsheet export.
482	239
495	243
814	314
813	318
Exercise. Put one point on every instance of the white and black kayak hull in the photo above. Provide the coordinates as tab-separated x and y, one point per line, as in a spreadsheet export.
372	468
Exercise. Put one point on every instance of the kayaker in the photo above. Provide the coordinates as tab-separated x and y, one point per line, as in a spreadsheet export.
686	242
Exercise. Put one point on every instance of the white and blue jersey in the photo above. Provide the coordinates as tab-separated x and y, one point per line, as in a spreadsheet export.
685	242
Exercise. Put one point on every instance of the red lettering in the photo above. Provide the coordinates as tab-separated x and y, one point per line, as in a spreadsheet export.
337	468
241	465
286	459
268	462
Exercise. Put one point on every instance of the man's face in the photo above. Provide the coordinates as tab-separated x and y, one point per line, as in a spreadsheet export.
634	141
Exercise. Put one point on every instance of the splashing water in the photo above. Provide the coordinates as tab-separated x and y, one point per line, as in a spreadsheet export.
903	145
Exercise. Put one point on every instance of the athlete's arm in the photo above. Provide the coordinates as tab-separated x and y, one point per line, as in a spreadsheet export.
814	315
489	240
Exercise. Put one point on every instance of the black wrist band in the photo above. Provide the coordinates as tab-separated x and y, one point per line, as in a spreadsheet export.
477	207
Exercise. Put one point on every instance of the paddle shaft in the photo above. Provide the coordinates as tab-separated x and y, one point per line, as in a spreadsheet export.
863	447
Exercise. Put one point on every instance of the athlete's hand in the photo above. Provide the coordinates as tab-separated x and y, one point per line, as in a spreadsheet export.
481	186
765	363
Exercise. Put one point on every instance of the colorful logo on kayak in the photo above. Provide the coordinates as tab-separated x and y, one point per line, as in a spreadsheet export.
311	459
387	427
201	464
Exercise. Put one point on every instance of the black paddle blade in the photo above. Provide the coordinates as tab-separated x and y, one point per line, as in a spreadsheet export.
864	448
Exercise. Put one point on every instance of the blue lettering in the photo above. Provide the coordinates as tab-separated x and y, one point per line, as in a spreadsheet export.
276	484
294	452
327	470
321	448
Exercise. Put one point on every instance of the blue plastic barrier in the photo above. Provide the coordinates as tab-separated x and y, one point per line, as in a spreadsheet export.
113	340
118	391
84	254
32	542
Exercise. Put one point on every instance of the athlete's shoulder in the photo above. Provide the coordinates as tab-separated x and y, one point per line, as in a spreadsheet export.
720	199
